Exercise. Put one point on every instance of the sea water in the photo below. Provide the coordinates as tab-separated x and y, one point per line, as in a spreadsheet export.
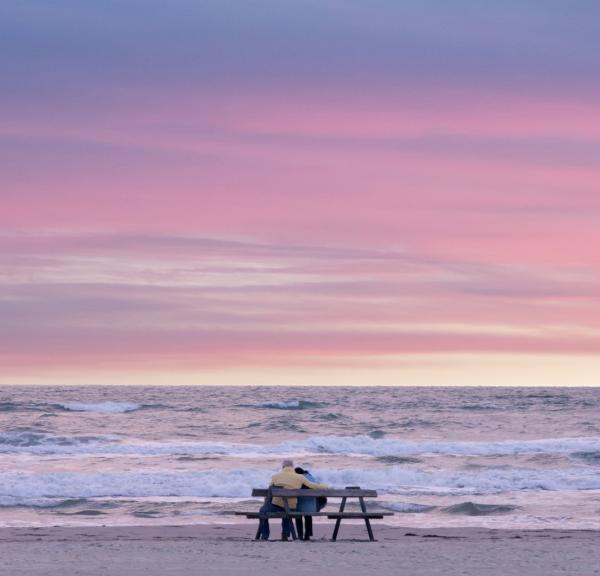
496	457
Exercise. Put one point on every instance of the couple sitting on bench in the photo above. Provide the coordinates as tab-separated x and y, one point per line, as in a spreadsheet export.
292	479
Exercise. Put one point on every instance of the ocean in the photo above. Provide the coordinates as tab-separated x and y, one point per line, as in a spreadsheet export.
124	455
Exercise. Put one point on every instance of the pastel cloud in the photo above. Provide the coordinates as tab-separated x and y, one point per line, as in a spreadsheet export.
97	300
207	186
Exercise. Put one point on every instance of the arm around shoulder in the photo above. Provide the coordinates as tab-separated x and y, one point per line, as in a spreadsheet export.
315	485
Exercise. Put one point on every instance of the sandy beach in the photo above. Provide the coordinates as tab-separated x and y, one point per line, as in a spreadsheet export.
229	549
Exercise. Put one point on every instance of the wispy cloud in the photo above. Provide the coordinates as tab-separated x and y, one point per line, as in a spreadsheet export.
85	298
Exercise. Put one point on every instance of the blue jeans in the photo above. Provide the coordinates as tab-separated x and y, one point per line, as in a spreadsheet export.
305	504
265	531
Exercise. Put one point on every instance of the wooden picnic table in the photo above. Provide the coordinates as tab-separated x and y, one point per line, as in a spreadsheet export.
345	494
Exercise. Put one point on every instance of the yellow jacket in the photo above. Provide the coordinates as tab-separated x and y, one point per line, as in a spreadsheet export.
287	478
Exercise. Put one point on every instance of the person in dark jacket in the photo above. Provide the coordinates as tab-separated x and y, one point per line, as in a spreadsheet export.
307	504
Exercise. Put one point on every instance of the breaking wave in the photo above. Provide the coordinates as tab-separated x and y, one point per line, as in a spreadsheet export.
478	407
29	488
407	507
474	509
42	502
290	405
397	459
103	407
393	450
590	457
42	443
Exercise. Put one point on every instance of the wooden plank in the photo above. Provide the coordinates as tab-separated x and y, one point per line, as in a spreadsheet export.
328	514
292	513
339	520
363	507
330	492
355	515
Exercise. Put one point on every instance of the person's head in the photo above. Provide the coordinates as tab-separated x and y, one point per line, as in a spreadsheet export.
287	464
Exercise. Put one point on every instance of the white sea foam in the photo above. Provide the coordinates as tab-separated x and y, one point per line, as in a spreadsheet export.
407	507
282	405
106	407
365	445
40	443
30	489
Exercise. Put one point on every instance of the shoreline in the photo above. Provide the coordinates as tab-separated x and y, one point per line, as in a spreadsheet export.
213	549
237	530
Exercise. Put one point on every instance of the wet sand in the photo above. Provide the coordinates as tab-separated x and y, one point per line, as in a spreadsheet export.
229	549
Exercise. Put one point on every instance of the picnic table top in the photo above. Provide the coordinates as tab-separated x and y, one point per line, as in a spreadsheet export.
327	492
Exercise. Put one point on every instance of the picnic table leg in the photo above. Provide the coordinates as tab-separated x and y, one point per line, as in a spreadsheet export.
363	507
258	530
289	518
339	520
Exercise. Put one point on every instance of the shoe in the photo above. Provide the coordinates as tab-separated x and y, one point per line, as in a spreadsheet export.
284	538
306	538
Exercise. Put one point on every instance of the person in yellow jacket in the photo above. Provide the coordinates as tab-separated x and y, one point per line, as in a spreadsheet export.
287	478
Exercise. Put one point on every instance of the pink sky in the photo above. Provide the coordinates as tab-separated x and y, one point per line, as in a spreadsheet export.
317	217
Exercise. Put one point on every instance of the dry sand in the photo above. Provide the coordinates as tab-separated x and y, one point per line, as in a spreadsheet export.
229	549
